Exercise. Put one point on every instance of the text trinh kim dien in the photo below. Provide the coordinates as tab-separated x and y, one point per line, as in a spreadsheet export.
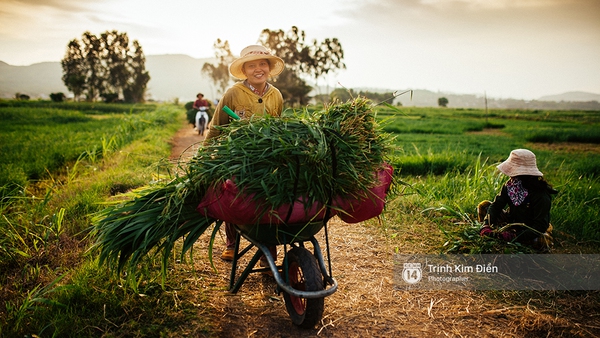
478	268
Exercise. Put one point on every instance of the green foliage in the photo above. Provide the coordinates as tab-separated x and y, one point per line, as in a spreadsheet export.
434	131
431	164
57	97
219	72
26	149
576	207
35	298
43	226
442	102
269	157
344	94
88	108
105	66
449	201
22	97
334	152
293	88
302	60
438	151
191	116
579	135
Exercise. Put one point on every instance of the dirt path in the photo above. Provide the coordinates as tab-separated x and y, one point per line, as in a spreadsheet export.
185	143
366	303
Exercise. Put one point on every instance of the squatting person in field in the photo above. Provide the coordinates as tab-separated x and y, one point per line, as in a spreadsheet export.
528	198
251	96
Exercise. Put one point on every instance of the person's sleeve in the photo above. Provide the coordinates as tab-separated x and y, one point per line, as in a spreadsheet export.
280	108
279	103
220	118
495	210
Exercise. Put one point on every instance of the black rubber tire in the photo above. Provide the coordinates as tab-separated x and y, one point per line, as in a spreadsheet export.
305	275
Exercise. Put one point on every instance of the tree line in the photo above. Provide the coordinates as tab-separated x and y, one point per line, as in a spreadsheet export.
107	66
303	61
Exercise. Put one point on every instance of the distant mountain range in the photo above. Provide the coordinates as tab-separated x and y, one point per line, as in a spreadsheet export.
179	77
171	77
572	96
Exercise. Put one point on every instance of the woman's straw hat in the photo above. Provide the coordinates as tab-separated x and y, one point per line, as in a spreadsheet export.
520	162
255	52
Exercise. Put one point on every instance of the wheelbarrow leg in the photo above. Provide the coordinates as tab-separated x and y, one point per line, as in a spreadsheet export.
235	260
238	284
234	285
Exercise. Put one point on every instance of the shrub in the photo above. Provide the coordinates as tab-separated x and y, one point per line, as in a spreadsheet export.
57	97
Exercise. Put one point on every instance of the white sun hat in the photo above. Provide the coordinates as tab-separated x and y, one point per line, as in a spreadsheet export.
255	52
520	162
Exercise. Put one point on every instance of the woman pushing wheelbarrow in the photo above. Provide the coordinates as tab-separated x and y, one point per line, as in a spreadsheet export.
276	180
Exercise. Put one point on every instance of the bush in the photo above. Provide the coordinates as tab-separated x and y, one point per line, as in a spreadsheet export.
191	116
23	97
57	97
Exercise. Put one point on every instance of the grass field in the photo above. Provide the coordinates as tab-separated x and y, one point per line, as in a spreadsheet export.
60	163
36	141
462	147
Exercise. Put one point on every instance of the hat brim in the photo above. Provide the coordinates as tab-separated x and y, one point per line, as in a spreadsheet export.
276	63
510	169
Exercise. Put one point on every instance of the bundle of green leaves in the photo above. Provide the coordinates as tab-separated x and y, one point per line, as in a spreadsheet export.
335	152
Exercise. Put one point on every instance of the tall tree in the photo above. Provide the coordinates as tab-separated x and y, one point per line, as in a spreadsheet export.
74	76
327	56
93	68
293	89
305	61
105	66
115	56
220	72
135	88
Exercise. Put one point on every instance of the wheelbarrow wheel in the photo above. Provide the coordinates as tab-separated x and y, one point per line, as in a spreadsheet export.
304	275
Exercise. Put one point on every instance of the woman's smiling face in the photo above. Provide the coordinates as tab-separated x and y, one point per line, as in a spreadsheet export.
257	72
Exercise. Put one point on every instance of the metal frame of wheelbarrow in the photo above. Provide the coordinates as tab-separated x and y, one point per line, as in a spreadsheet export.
282	282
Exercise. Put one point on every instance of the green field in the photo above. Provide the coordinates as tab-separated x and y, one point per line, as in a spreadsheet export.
461	148
37	140
60	162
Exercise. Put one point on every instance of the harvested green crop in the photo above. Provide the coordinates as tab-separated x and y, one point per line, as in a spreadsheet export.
331	153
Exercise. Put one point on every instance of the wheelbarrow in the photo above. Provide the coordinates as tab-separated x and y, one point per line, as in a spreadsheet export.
303	277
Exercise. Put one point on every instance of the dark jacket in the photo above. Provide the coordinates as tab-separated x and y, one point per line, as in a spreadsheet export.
534	212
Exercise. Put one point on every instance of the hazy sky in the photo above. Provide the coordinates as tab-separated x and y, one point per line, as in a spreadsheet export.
506	48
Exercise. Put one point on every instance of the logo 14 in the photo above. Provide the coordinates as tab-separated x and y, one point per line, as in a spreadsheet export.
412	273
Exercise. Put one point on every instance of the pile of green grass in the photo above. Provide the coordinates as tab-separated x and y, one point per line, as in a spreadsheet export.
331	153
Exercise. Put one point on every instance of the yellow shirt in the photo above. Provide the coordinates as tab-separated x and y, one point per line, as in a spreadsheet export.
245	103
